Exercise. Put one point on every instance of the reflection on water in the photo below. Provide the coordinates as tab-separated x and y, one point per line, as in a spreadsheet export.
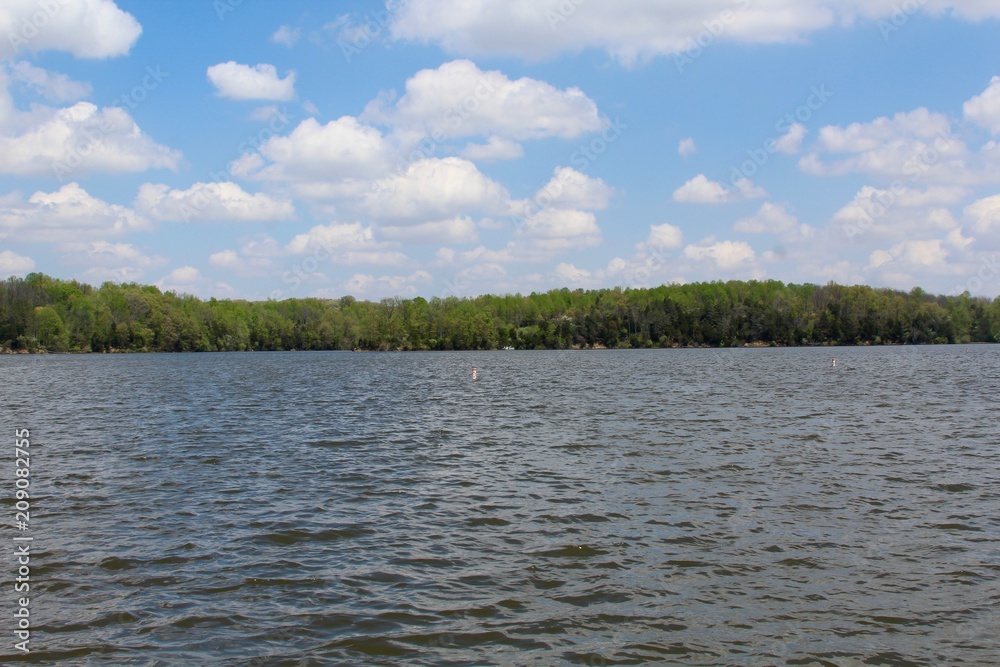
676	507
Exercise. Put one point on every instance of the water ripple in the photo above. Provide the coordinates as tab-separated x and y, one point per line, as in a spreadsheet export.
678	507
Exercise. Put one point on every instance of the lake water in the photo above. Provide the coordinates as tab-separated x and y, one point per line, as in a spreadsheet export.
676	507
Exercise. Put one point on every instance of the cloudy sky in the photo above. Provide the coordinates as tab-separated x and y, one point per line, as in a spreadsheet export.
251	149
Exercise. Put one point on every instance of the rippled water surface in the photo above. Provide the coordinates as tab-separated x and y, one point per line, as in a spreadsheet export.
676	507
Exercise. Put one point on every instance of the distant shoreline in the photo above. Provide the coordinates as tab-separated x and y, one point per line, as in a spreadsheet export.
10	352
43	314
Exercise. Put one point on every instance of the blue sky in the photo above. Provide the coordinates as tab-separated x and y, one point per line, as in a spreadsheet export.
248	149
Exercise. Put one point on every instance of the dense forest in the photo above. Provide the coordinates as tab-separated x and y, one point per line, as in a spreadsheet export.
40	313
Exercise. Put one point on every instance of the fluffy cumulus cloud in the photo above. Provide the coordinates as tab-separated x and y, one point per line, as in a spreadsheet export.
83	139
349	236
770	219
461	229
342	149
702	190
460	100
726	255
912	145
559	229
984	109
348	244
881	215
363	283
496	148
925	255
568	274
687	147
84	28
210	201
558	217
435	189
636	30
13	264
255	258
984	214
662	238
872	203
286	36
189	280
790	142
68	214
572	189
243	82
53	86
185	276
117	262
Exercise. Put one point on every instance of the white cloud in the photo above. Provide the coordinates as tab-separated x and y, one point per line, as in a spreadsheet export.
50	85
914	145
865	137
483	272
66	215
480	254
435	189
559	229
770	219
984	109
687	147
346	244
333	237
569	274
701	190
872	202
361	283
956	240
496	148
84	28
185	276
83	139
879	258
929	254
636	30
117	262
242	82
230	260
984	214
226	259
663	238
460	100
210	201
342	149
12	264
286	36
747	190
456	230
726	255
255	258
571	189
893	214
791	141
105	252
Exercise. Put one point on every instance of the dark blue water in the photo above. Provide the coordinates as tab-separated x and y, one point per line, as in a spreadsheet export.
677	507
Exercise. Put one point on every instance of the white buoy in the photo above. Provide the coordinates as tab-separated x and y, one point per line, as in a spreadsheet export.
474	373
834	363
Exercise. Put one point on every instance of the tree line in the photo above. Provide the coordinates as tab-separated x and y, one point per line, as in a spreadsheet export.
39	313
